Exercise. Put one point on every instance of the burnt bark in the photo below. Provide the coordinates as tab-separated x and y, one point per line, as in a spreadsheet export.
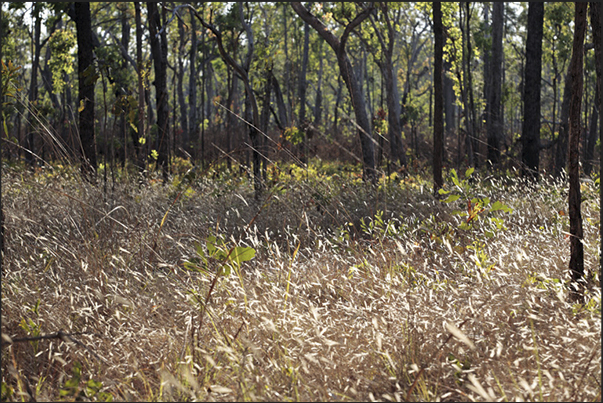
493	111
530	135
576	264
159	55
87	76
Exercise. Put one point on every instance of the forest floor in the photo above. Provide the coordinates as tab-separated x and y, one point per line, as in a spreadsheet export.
323	288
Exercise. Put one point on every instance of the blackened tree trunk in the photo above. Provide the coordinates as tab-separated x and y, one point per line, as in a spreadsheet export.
493	111
530	134
438	108
87	77
282	120
349	77
159	54
576	70
303	84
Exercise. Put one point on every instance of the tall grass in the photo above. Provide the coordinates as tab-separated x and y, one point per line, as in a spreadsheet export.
355	293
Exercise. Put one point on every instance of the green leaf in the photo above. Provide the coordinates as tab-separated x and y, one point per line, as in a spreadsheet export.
443	192
242	254
469	172
452	198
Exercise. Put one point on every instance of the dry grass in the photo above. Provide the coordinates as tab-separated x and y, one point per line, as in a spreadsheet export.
325	311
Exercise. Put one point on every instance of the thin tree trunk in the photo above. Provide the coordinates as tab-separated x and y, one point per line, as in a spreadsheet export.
438	125
180	88
318	104
493	111
302	94
192	91
159	54
140	141
562	139
87	78
576	265
33	86
592	134
530	135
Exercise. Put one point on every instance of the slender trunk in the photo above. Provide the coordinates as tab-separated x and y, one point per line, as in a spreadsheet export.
530	134
87	78
493	111
474	133
159	54
282	120
438	126
592	134
33	86
141	139
318	105
192	91
302	94
576	265
180	88
562	139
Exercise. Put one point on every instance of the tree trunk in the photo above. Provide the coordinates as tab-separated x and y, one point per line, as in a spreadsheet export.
282	120
493	111
159	54
33	86
530	135
141	139
192	92
562	139
87	78
438	113
318	104
302	94
352	82
180	88
592	134
576	265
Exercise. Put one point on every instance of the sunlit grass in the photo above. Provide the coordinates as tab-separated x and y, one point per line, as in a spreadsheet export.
347	298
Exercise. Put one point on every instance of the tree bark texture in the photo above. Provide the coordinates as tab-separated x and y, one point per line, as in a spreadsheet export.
493	112
141	139
576	71
530	134
87	77
562	139
159	54
352	82
438	108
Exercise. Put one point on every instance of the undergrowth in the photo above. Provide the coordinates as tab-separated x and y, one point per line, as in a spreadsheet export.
323	288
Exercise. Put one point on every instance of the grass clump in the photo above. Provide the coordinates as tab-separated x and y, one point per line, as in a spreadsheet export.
322	289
